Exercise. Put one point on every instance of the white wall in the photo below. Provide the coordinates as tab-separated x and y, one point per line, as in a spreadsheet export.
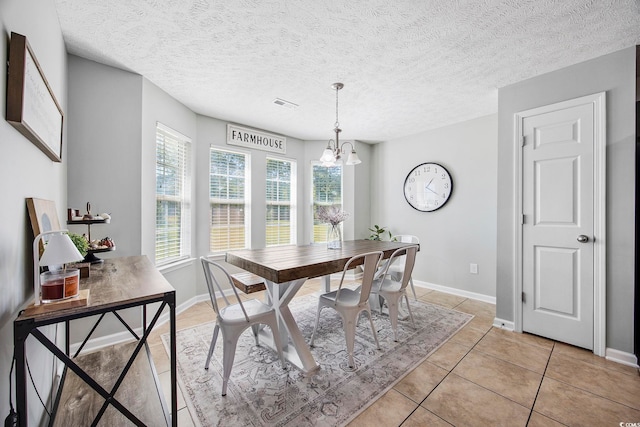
614	73
25	171
464	230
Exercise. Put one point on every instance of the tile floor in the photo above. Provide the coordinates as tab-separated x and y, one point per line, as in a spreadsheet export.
483	376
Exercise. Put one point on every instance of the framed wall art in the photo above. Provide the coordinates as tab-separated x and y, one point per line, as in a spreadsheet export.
32	107
43	217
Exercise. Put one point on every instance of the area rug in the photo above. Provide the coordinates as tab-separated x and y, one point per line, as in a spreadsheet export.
261	393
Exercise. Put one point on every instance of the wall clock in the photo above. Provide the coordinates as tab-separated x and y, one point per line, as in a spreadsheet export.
428	187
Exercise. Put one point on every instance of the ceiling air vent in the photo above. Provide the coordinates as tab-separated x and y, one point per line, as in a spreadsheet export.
286	104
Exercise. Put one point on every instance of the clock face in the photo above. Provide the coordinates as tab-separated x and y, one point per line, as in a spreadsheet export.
428	187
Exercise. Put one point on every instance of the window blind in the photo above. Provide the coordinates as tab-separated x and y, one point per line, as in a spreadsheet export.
326	191
227	200
173	190
279	225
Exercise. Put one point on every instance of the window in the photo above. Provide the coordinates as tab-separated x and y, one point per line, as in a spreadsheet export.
228	200
327	190
280	202
173	191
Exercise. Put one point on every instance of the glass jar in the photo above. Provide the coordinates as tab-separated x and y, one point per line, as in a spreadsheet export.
59	285
334	237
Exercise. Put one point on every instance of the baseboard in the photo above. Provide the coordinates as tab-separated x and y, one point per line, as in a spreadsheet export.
124	336
454	291
621	357
507	325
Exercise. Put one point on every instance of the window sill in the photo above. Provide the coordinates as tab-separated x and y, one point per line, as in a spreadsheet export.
168	268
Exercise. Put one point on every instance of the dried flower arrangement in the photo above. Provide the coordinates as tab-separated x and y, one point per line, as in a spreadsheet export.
333	214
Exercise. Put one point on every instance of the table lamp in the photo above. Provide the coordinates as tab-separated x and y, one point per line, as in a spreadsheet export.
59	282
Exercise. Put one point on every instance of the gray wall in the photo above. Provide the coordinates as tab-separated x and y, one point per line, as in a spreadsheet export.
105	119
615	74
25	171
464	230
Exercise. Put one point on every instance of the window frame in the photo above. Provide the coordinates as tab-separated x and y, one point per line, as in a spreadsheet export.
246	199
313	233
293	206
185	199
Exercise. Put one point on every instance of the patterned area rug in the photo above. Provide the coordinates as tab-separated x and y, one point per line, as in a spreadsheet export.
261	393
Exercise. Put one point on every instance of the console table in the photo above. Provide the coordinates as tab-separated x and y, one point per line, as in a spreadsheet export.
90	392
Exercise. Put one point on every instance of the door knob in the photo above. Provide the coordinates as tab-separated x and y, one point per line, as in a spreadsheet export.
583	239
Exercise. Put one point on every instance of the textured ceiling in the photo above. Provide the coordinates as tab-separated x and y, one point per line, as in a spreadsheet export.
407	65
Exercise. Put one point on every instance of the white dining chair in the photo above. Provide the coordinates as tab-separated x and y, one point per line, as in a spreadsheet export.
396	267
350	303
233	319
392	290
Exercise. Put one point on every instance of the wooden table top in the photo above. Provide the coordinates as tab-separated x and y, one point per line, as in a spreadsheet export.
281	264
113	283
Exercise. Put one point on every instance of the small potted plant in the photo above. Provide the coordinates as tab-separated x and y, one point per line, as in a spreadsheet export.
83	246
377	233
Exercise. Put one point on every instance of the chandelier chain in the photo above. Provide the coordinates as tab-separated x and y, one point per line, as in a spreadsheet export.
337	124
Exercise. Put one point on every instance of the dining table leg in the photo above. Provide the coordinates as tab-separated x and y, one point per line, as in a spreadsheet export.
295	348
326	281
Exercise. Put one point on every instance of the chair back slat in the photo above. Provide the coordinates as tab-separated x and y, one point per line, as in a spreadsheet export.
371	262
214	286
406	257
409	262
406	238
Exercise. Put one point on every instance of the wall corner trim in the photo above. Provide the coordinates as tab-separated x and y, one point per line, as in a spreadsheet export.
507	325
622	357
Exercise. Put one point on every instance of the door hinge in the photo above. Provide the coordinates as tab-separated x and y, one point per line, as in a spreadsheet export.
524	298
523	141
523	219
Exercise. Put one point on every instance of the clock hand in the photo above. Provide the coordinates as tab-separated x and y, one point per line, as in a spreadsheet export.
431	190
429	183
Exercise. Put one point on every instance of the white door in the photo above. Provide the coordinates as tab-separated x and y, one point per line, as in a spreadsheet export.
558	222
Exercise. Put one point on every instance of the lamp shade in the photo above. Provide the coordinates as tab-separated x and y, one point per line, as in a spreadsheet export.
328	156
60	250
353	158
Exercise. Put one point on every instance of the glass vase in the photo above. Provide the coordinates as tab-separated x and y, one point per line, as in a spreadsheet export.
334	237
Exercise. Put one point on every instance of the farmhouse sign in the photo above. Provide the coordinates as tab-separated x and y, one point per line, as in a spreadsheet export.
250	138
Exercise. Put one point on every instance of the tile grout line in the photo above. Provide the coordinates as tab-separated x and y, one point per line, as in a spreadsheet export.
449	372
466	354
585	390
544	373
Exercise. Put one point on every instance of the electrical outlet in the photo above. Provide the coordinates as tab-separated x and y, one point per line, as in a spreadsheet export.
473	268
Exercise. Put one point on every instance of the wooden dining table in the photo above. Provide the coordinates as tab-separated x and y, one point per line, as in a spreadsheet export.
286	268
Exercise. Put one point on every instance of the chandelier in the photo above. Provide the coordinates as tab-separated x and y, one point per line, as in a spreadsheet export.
334	151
